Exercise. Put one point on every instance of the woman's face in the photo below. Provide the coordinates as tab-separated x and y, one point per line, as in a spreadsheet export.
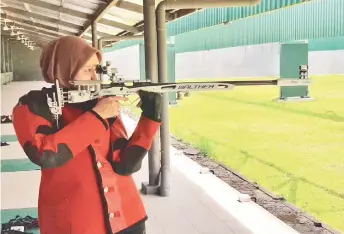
88	71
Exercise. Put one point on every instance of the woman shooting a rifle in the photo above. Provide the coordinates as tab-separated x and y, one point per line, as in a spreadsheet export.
88	161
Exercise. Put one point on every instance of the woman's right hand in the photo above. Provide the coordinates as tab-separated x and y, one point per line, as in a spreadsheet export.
109	107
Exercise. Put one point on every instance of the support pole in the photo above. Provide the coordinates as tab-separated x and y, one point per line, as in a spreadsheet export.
151	70
162	70
165	135
8	53
11	58
3	64
94	35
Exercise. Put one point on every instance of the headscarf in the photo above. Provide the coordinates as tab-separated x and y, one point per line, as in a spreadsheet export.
63	58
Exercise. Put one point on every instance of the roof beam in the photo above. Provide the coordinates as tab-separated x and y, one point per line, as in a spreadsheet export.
35	37
38	41
169	17
41	23
37	30
43	18
87	37
101	10
118	25
47	29
57	8
130	6
26	33
36	25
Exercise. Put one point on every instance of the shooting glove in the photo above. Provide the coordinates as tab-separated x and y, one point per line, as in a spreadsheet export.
151	105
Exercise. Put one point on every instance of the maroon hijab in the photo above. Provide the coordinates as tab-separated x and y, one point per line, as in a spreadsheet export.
63	58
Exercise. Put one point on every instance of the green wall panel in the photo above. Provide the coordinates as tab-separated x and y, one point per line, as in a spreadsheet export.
311	20
210	17
214	16
324	44
292	56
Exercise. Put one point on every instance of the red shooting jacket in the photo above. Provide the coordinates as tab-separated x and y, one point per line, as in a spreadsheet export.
86	167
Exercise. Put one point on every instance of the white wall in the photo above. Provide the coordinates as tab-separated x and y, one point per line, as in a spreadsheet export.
251	61
127	62
244	61
326	62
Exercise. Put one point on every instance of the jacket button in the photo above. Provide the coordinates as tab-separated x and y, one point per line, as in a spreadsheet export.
99	164
111	215
106	189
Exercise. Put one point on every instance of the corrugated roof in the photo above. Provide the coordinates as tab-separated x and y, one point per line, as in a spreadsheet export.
54	18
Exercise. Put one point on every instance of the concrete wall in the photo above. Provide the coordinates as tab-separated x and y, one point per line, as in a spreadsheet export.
250	61
326	62
244	61
127	62
25	63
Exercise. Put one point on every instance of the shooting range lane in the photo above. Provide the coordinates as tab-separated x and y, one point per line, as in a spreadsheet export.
199	203
13	157
19	195
20	178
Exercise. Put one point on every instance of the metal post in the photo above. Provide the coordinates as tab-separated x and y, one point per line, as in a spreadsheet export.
3	69
151	66
94	35
11	58
165	135
8	56
162	69
5	55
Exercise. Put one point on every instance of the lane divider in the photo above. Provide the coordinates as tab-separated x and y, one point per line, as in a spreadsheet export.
8	138
13	165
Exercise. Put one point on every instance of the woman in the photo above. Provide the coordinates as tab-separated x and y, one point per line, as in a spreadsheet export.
86	164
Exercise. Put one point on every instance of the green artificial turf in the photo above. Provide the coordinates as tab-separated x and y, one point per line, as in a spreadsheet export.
295	149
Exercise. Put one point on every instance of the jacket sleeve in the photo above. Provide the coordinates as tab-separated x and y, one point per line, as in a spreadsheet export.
48	146
127	154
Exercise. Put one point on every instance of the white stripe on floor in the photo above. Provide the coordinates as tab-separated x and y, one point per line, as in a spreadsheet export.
7	129
19	189
12	151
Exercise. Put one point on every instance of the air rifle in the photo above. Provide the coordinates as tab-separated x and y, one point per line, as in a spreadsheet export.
89	90
93	89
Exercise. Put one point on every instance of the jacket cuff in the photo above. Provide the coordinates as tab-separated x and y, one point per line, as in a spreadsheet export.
144	133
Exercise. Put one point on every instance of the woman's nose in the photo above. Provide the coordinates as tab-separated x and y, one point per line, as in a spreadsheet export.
94	75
